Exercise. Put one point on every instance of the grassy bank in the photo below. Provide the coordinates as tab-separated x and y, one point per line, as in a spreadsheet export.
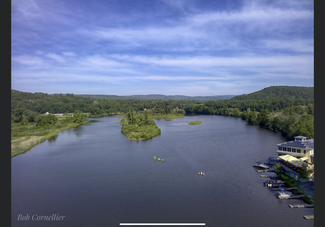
24	137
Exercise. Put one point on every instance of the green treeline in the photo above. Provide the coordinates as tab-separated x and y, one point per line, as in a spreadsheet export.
289	110
290	121
25	106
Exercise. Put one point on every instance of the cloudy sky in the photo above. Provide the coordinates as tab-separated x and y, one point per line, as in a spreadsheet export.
171	47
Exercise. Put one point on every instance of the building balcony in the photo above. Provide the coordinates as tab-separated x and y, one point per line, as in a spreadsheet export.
291	153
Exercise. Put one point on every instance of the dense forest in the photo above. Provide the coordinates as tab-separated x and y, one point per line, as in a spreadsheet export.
289	110
162	97
40	103
277	92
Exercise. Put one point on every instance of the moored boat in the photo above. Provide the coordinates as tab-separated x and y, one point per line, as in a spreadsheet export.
261	165
283	194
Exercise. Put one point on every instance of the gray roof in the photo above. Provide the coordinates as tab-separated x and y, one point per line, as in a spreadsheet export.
308	144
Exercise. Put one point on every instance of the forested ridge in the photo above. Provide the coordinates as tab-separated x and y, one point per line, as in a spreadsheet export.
287	109
161	97
41	103
279	92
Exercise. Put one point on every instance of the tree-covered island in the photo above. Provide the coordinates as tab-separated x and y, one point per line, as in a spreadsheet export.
141	126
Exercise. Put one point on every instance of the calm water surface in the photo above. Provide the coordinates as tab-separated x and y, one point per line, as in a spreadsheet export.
94	176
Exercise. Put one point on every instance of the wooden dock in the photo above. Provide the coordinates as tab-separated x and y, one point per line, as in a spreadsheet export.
308	217
264	170
287	189
273	177
293	197
301	206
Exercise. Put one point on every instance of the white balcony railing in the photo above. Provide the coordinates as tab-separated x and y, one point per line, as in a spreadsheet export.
292	153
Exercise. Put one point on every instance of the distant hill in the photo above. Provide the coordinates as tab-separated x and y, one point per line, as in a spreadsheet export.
161	97
279	92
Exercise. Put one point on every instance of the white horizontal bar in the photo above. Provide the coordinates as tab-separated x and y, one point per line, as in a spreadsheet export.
162	223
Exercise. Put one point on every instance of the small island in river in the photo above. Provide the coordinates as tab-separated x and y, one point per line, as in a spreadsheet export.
142	126
195	122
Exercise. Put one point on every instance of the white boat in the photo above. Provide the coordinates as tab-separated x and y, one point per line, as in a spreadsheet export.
201	173
261	165
283	194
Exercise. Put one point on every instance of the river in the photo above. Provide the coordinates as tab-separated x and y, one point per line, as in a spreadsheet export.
93	175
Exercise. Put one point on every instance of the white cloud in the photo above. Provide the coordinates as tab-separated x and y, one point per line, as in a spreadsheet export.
28	60
252	15
301	45
200	48
68	54
56	57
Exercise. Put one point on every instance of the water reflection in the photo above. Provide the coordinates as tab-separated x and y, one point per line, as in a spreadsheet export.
53	138
77	131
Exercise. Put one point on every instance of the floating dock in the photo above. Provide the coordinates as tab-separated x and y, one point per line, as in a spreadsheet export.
308	217
274	177
301	206
287	189
292	197
264	170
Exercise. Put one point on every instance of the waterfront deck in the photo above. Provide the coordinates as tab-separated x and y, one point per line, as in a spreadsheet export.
301	206
287	189
309	217
265	170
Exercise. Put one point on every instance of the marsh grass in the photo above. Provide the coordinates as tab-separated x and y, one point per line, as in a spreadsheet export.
23	144
195	122
23	138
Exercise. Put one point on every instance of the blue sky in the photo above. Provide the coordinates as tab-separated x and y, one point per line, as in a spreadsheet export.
176	47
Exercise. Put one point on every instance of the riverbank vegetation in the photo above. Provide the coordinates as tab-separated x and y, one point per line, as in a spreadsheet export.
287	109
25	134
290	182
195	122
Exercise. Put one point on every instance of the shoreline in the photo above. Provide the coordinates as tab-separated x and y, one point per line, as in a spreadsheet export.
34	140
